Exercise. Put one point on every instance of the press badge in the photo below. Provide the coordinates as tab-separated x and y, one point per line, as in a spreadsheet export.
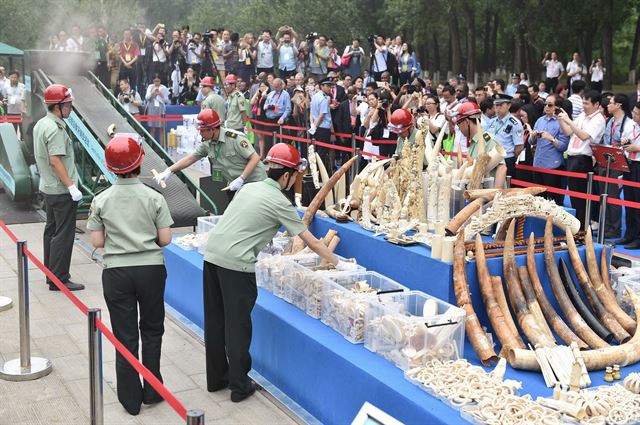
216	175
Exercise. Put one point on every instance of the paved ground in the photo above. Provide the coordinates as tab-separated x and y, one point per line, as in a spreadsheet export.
59	333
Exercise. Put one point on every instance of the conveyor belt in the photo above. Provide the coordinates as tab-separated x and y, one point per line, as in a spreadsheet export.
98	115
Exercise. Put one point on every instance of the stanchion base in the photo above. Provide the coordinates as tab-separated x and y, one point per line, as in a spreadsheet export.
5	303
11	370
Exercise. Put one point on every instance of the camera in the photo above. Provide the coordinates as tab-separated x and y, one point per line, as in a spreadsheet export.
311	36
421	110
385	102
207	36
411	89
126	98
372	38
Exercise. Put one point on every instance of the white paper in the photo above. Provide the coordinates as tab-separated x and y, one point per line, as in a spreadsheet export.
385	133
142	51
156	103
370	148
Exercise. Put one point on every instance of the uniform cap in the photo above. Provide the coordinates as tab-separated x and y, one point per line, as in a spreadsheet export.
500	98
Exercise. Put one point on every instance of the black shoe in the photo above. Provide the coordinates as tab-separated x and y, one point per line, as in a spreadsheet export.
72	286
622	241
153	399
633	245
237	397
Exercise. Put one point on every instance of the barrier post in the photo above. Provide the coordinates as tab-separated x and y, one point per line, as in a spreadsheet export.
354	169
508	182
26	368
587	213
274	139
195	417
603	214
95	368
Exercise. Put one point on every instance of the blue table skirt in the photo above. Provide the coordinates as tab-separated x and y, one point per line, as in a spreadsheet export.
323	372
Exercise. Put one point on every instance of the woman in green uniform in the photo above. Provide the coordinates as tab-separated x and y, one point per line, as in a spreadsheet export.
247	226
132	223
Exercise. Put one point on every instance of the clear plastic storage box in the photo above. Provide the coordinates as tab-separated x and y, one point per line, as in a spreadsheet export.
270	273
346	299
313	262
205	224
633	282
413	328
304	288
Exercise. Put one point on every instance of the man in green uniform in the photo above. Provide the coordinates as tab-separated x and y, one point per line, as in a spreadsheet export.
132	223
212	100
468	121
231	155
236	105
54	156
247	226
402	124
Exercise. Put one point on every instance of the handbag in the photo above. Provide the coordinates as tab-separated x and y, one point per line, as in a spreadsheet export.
346	60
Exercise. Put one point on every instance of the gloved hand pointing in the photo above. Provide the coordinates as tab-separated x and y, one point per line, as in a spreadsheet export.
236	184
347	266
76	195
163	176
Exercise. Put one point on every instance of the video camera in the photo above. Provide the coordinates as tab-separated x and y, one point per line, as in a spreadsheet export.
207	36
311	36
372	38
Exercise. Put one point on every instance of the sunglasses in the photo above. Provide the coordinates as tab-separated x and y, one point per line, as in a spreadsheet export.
551	105
429	103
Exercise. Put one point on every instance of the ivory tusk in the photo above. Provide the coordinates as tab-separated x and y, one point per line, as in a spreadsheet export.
501	299
553	318
479	339
489	194
607	319
532	301
463	215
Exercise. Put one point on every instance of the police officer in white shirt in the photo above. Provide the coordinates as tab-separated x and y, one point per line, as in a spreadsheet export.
588	128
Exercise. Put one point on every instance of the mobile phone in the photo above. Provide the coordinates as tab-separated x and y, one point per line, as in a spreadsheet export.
557	111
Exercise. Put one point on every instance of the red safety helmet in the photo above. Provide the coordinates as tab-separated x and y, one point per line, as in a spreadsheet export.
287	156
57	93
207	82
467	110
401	120
123	154
231	79
208	118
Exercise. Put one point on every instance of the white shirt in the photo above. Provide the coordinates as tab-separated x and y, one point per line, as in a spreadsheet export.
593	124
554	68
576	102
14	97
265	55
634	136
362	109
74	45
597	74
573	67
158	53
380	64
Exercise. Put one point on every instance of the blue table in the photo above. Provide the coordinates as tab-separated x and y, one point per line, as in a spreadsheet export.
324	373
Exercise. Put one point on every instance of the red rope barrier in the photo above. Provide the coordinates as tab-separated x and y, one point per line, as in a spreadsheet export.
551	171
556	190
11	118
445	153
294	138
345	135
293	127
146	374
616	181
377	142
266	124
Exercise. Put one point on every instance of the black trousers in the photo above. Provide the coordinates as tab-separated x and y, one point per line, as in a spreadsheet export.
613	220
511	166
327	155
596	85
125	289
632	194
102	72
59	233
551	84
551	181
579	164
229	297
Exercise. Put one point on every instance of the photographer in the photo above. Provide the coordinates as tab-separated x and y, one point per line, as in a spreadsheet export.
195	53
129	98
265	49
597	74
287	53
159	53
319	55
214	54
379	56
177	52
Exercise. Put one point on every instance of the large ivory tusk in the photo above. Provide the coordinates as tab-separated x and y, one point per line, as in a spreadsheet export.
489	194
623	355
463	215
553	318
604	267
501	299
497	317
532	301
479	339
526	319
328	196
605	316
570	313
604	292
324	190
571	287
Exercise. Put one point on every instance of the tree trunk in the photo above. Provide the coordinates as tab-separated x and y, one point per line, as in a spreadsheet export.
484	62
607	45
471	39
634	52
436	53
493	62
456	49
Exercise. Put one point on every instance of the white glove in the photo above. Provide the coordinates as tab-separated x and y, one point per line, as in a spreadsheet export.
298	200
236	184
346	266
163	176
76	195
312	130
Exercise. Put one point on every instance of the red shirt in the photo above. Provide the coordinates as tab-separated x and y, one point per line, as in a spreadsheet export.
129	51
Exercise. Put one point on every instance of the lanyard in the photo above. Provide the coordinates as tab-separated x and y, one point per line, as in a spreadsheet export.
501	125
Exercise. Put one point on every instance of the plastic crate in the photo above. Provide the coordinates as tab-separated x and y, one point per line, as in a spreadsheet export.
313	262
616	274
344	307
207	223
399	331
270	273
633	282
304	289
